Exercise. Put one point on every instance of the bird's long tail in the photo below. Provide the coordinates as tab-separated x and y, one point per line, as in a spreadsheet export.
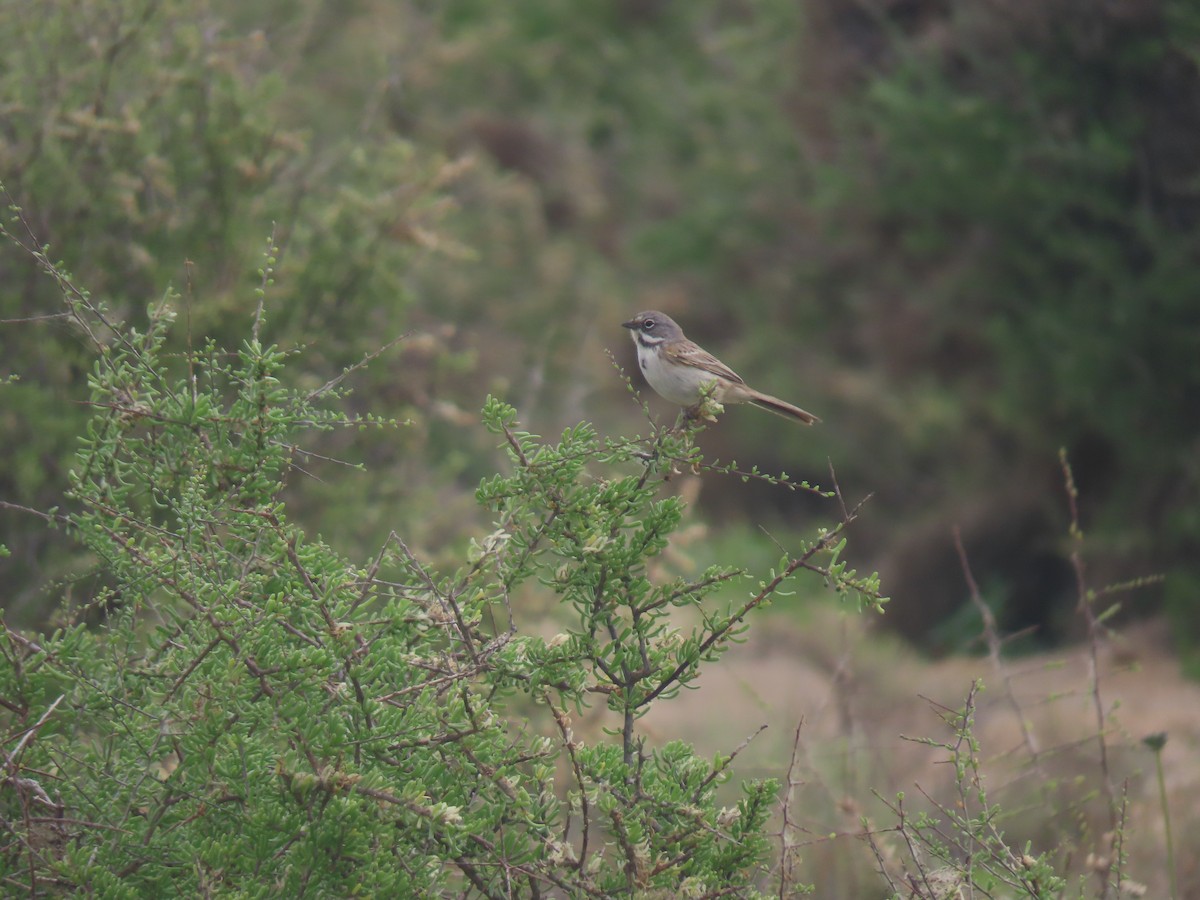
782	408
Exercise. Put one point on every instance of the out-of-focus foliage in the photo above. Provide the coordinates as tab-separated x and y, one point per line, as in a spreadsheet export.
1036	188
962	235
146	144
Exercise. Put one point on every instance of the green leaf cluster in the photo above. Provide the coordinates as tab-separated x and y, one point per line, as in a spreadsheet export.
258	714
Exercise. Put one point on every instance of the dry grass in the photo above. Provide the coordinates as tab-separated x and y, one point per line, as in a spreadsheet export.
860	694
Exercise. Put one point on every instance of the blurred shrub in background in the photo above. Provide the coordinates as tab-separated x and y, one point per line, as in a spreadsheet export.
964	236
1034	189
146	142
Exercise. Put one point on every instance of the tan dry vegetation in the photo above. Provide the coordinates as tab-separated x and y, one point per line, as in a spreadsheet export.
861	695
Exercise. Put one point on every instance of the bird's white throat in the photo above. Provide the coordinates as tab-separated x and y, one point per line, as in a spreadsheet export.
673	381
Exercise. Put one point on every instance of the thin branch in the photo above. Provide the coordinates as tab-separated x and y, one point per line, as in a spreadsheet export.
24	319
17	507
10	760
1096	634
361	364
827	540
447	599
995	645
785	805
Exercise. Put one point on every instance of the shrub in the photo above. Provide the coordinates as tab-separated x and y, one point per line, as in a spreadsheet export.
259	714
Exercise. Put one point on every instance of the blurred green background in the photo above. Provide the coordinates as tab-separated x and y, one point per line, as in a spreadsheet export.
965	235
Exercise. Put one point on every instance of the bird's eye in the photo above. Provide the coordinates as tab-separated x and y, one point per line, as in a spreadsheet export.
648	325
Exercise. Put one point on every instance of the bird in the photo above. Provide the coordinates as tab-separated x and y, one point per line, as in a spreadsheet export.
679	370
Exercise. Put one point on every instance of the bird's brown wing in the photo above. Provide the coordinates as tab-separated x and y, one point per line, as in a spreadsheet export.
690	354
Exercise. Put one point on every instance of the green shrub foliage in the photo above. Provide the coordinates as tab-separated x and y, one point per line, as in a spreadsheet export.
258	714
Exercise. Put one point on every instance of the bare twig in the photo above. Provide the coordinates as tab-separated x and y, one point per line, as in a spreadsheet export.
25	319
361	364
725	764
785	829
995	645
17	507
585	825
1096	634
10	761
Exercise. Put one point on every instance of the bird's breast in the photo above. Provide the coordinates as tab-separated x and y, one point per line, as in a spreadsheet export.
675	382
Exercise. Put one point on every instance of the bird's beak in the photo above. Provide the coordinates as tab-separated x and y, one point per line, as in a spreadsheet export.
632	323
